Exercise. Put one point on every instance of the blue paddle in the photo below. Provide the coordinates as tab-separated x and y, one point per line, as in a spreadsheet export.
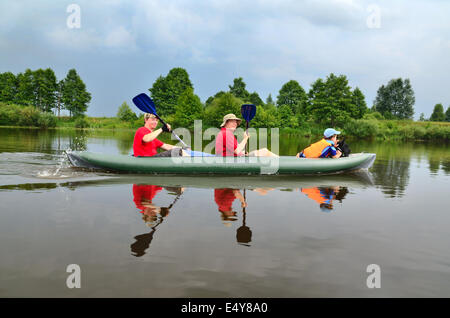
248	111
146	104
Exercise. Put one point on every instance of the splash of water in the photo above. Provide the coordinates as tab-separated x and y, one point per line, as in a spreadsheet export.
62	164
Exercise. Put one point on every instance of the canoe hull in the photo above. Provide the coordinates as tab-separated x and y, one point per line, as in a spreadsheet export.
220	165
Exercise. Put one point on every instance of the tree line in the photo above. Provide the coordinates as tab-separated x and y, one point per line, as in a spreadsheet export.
329	101
437	114
41	89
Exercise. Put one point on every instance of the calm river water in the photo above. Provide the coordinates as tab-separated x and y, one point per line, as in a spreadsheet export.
194	236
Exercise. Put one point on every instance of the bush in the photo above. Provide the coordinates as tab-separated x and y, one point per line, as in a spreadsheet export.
418	132
9	114
47	120
391	125
438	132
361	128
139	122
29	116
374	115
81	122
125	113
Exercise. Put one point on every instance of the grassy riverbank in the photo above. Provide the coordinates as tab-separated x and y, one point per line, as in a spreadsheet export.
368	128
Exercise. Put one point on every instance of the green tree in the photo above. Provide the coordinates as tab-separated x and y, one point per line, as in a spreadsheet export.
238	89
8	87
50	90
189	108
75	96
286	117
220	106
265	117
447	114
44	89
166	90
255	99
396	99
422	117
292	95
360	104
25	88
332	101
59	92
269	100
211	98
125	113
438	113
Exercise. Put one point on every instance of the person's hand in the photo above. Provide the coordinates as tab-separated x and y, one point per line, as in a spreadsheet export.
244	204
246	135
298	155
166	128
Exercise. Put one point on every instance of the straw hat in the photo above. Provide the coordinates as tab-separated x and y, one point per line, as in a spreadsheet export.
148	115
230	117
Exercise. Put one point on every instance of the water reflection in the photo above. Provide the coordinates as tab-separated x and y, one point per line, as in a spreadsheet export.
153	215
224	199
243	233
392	176
325	196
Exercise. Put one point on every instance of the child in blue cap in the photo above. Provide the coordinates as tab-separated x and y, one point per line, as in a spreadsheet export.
324	148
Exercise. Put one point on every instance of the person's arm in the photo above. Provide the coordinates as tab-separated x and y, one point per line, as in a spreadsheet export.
338	154
168	147
151	136
240	197
241	146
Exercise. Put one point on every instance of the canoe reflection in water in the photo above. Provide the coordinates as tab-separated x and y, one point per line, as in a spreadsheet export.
224	199
152	214
324	196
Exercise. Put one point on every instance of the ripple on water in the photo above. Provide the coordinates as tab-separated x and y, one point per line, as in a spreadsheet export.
38	165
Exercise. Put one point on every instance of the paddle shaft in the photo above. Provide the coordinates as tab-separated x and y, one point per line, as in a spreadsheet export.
246	130
178	138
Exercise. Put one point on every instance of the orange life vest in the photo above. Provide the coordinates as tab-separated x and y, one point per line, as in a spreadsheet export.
315	150
314	193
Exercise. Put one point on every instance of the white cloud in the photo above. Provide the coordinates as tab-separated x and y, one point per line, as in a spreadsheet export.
120	38
267	42
74	39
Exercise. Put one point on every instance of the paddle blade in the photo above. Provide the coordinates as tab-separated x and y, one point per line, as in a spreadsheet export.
145	103
248	111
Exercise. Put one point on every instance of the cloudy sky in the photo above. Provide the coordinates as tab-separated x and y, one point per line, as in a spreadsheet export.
121	47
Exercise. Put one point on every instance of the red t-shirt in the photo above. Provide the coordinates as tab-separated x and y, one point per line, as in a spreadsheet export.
224	199
145	149
226	143
144	192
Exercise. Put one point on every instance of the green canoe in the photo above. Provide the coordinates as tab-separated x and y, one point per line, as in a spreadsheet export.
220	165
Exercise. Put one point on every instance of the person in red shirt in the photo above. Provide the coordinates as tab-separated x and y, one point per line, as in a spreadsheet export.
226	142
145	142
152	214
224	199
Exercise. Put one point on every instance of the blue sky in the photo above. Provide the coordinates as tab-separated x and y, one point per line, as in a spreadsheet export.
123	46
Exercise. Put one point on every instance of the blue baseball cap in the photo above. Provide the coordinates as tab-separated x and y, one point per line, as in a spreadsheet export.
330	132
